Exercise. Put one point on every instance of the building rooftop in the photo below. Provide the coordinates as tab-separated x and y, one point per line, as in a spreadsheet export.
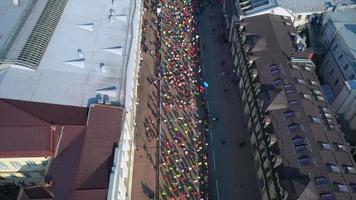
81	52
79	140
293	6
344	21
296	110
31	129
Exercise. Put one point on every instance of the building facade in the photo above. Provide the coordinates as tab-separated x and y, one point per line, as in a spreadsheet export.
345	103
298	10
298	149
338	33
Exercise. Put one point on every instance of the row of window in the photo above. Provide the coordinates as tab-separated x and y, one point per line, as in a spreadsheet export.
17	164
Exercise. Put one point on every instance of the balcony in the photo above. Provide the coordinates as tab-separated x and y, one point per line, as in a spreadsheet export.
267	121
271	139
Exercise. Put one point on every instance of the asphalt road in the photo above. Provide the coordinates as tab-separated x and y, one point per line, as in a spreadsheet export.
231	169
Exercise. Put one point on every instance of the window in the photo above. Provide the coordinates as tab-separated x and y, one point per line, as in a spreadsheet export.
301	148
294	102
315	119
320	98
340	56
16	164
274	69
334	48
307	96
313	83
327	115
298	141
289	114
346	66
321	180
299	17
278	82
300	81
327	196
353	187
340	147
349	169
352	77
300	144
333	168
325	146
3	165
317	92
290	91
306	161
294	128
341	187
308	68
295	67
289	88
336	82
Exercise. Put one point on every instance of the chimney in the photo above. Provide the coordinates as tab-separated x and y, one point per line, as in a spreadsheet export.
16	2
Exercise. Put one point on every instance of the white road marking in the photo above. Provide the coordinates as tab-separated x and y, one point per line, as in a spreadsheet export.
217	189
211	136
214	160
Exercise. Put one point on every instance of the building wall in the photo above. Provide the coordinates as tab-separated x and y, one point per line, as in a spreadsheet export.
337	66
29	170
332	74
121	176
345	104
298	19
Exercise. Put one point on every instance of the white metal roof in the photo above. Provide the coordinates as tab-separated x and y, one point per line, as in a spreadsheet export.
83	59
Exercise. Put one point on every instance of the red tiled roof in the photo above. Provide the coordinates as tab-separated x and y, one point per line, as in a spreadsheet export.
84	145
39	113
82	167
25	127
14	141
103	132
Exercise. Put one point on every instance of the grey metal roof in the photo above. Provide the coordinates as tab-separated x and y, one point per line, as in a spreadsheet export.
345	23
304	5
294	6
83	59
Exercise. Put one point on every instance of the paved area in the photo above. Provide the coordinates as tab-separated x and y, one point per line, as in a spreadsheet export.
183	159
145	161
231	169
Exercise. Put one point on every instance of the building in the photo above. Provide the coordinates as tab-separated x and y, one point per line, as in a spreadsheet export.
345	103
298	10
75	53
57	151
338	33
298	149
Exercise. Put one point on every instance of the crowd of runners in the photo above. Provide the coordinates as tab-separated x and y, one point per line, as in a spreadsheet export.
183	159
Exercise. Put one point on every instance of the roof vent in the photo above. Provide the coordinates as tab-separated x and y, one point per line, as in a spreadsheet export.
16	2
115	50
80	53
87	27
102	68
112	12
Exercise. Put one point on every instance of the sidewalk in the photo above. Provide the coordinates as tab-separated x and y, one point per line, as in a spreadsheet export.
144	182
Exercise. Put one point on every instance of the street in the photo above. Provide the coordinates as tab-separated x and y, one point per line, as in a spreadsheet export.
231	170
